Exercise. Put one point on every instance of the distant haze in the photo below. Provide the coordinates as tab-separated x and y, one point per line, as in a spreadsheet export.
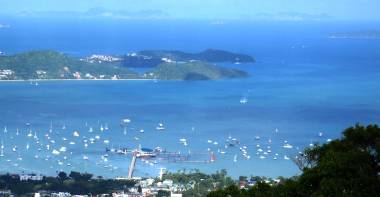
286	10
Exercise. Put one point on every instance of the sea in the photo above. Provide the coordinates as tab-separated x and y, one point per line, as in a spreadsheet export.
303	89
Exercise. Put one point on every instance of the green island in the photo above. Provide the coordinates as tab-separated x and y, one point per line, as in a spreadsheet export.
348	166
195	70
45	65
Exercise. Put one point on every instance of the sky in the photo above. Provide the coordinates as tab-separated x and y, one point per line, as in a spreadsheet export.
197	9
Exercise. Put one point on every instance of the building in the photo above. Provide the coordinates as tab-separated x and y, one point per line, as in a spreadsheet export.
31	177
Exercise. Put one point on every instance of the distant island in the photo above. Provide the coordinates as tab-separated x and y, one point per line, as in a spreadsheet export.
153	58
356	35
175	65
4	26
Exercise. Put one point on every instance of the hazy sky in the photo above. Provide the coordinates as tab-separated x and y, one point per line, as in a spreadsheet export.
200	9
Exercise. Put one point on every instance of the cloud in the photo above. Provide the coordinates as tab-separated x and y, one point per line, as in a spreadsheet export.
292	16
125	14
100	12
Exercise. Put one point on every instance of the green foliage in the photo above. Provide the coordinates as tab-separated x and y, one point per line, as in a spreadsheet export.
345	167
209	55
57	66
76	183
199	184
195	71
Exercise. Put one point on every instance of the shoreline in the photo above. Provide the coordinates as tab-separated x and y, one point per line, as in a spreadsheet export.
35	80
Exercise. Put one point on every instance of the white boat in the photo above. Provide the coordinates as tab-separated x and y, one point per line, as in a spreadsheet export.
76	134
235	158
90	130
5	130
51	127
286	157
160	127
62	149
2	149
244	100
55	152
287	146
126	120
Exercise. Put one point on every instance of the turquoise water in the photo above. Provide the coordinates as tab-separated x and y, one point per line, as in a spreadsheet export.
301	85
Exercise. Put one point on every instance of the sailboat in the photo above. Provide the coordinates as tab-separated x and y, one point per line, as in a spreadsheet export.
51	127
2	149
5	130
235	158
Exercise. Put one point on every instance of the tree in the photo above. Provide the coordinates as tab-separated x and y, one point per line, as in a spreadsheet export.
62	176
344	167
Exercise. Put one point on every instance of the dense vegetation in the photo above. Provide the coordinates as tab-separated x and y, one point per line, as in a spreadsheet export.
209	55
195	71
74	183
344	167
199	184
57	66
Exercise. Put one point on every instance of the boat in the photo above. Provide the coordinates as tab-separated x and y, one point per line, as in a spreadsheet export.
76	134
2	149
235	158
160	127
244	100
287	146
5	130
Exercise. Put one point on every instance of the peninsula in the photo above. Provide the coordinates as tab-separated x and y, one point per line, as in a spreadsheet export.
45	65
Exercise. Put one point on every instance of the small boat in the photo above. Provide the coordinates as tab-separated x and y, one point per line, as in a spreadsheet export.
235	158
287	146
55	152
2	149
76	134
243	100
160	127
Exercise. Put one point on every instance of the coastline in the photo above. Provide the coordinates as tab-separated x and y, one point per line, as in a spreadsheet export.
29	80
